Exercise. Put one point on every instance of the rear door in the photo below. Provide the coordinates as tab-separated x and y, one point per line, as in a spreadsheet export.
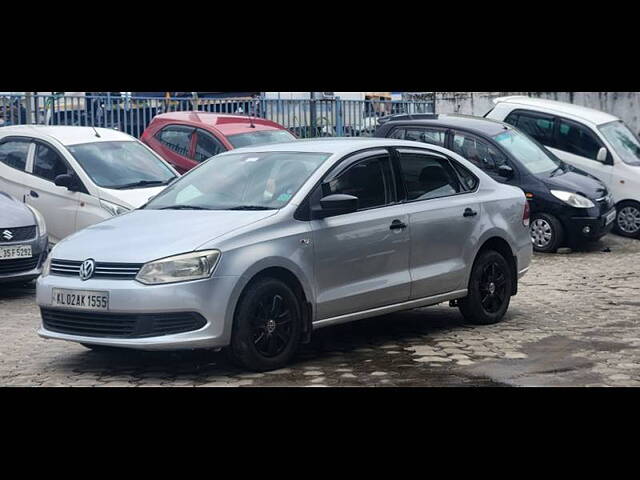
175	143
58	205
14	156
443	214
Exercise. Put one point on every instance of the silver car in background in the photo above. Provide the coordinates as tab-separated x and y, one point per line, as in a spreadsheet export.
23	241
256	248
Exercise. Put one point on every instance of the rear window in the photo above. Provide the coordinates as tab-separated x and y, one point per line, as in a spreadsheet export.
261	137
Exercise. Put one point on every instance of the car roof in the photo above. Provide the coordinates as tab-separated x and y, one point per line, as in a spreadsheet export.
588	114
67	135
334	145
227	124
476	124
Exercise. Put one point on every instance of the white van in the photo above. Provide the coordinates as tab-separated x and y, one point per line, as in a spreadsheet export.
78	176
594	141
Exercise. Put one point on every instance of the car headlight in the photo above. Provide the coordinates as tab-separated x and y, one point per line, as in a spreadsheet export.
180	268
42	226
113	208
573	199
46	266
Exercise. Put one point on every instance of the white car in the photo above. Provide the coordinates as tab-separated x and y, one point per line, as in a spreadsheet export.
594	141
78	176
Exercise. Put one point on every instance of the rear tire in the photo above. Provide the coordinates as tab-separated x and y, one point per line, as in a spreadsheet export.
546	232
267	328
489	291
627	222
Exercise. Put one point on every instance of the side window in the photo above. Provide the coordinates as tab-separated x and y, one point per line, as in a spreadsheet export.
427	177
207	146
176	138
426	135
480	153
369	180
14	154
468	179
397	133
538	126
578	140
48	164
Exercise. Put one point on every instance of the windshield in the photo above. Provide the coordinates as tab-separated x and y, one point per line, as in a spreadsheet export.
121	165
261	137
624	142
242	181
527	152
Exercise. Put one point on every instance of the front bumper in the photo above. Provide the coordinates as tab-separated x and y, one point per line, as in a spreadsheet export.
590	228
39	255
209	298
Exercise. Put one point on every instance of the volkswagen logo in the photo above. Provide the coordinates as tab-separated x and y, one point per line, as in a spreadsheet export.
87	268
7	235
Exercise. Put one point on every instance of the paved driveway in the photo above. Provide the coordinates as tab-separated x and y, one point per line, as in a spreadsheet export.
576	321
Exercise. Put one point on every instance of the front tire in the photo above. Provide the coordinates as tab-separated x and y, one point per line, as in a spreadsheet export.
267	327
627	221
547	233
490	288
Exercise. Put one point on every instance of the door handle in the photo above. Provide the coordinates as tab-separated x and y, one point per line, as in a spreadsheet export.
468	212
397	225
34	194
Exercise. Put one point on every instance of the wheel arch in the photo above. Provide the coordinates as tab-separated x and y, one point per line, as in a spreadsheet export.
502	246
289	277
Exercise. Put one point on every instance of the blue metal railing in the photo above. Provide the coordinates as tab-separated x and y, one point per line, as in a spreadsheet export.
305	118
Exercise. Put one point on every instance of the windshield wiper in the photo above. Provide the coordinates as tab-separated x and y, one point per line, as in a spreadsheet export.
142	183
250	207
184	207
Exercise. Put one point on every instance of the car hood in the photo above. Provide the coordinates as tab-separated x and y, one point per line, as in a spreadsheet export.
577	181
14	213
130	197
144	235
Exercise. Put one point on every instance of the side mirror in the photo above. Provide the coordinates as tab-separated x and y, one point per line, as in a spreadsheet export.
602	155
336	204
505	171
67	180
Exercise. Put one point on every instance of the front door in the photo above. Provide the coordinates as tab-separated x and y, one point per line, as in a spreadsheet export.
58	205
578	146
362	258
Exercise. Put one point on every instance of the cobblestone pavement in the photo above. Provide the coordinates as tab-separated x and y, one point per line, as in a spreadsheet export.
575	322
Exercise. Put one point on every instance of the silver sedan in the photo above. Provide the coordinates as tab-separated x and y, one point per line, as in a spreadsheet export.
256	248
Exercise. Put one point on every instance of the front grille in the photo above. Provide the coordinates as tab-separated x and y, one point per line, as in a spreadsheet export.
119	271
18	265
19	234
120	325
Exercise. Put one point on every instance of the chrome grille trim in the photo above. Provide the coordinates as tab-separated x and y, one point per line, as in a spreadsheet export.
120	271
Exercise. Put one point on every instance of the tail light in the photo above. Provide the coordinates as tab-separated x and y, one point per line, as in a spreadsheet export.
526	214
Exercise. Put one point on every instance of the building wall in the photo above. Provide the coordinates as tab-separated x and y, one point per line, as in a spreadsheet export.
625	105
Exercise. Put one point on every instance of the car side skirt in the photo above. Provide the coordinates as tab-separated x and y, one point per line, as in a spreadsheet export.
373	312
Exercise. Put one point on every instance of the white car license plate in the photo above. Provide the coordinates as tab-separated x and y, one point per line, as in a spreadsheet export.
80	299
17	251
610	217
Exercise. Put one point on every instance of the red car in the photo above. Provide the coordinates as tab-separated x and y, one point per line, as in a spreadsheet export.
185	139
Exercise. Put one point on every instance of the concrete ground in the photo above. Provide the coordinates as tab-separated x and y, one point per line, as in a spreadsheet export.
575	322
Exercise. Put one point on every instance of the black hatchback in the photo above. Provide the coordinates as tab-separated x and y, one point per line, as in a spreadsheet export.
568	206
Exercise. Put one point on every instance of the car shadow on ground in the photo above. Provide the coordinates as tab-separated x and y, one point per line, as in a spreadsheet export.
352	343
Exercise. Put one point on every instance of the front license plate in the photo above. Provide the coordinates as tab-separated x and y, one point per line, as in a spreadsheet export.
80	299
17	251
610	217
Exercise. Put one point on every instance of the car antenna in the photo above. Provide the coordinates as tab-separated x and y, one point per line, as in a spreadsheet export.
94	129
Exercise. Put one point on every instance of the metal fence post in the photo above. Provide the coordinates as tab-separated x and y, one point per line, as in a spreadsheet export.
339	118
